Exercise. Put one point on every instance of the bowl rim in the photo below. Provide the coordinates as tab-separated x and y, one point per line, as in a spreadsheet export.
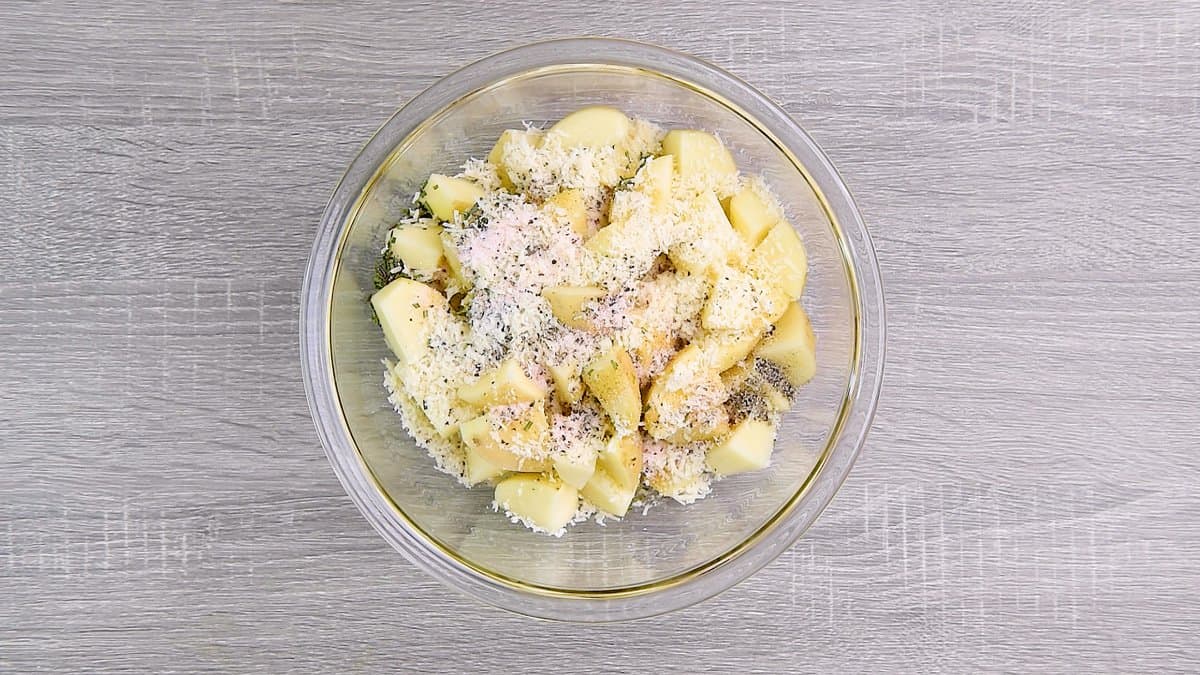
782	529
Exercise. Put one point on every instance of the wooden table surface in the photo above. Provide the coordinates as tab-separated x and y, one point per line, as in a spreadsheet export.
1027	500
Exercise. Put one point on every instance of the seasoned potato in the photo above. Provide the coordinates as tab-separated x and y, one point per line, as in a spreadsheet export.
518	445
593	127
542	500
570	207
479	469
781	259
507	138
610	240
419	247
747	448
567	382
740	301
612	379
503	386
457	276
404	308
445	195
792	346
750	216
618	473
721	350
710	242
698	152
575	465
568	302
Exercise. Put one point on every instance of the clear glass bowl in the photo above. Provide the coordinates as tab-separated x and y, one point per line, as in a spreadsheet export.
645	564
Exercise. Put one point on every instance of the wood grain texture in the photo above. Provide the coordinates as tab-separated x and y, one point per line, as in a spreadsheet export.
1027	500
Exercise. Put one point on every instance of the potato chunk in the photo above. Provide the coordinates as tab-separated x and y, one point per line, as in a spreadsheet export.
503	386
707	240
593	127
547	503
618	474
781	259
567	382
517	445
568	207
568	303
740	301
575	465
750	216
792	346
479	469
403	308
507	139
698	152
613	380
419	247
446	195
747	448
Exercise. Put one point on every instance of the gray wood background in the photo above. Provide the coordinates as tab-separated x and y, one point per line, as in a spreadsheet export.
1026	502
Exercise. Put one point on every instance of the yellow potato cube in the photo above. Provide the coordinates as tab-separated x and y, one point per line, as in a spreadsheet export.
569	207
446	195
722	350
507	139
706	240
747	448
575	465
568	303
781	260
547	503
458	276
698	152
479	469
506	385
740	301
750	216
567	382
517	445
792	346
603	492
612	379
419	247
622	459
610	240
593	127
404	308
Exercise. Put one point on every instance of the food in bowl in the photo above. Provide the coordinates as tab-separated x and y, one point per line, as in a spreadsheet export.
597	315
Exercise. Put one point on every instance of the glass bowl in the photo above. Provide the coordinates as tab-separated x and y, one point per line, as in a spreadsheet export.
648	563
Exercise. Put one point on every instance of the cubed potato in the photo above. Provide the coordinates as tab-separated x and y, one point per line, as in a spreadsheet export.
419	247
458	276
750	216
446	195
603	492
781	260
479	469
776	400
544	501
505	385
701	425
740	301
722	350
568	303
612	379
567	382
575	465
570	208
658	176
404	308
622	459
747	448
593	127
698	152
706	240
610	240
792	346
517	445
507	139
733	378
